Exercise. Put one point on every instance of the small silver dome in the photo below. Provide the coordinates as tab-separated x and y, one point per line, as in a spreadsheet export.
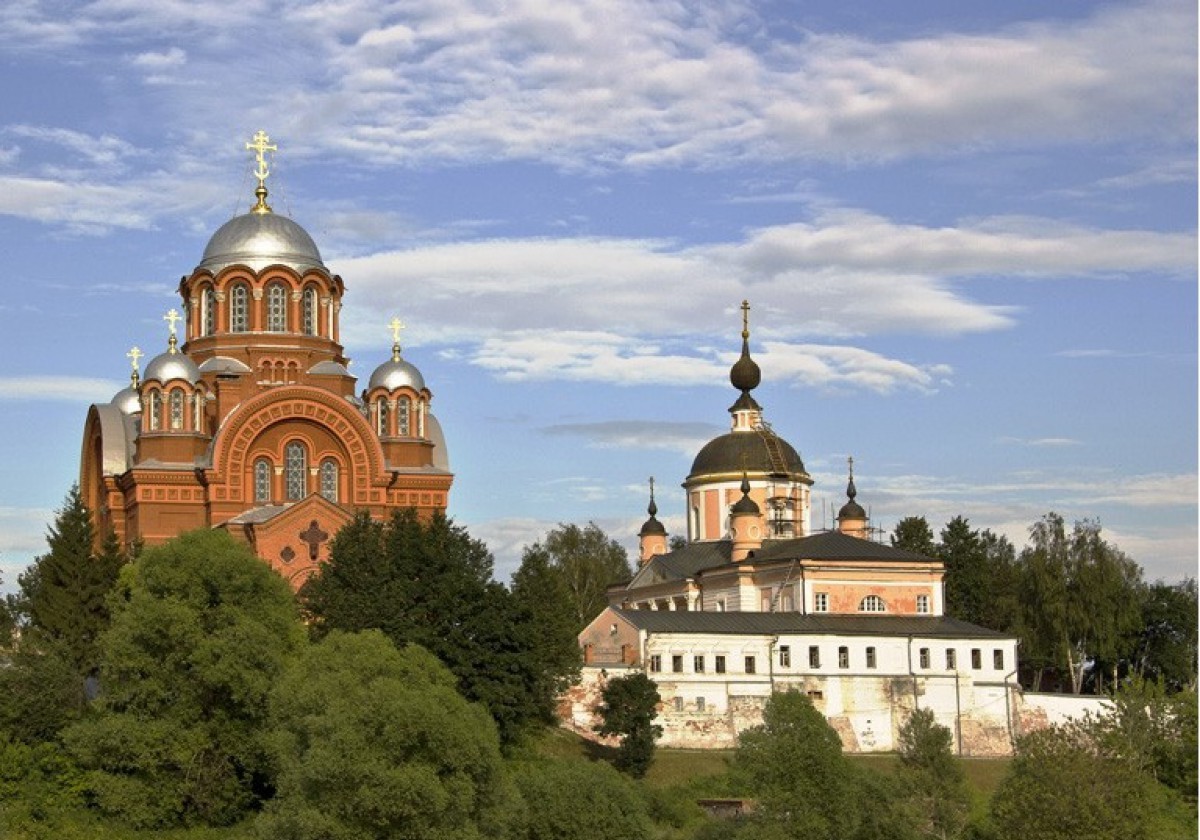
258	240
396	373
167	366
127	400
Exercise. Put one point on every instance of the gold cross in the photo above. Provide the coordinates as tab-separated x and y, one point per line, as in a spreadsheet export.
171	317
396	326
133	356
745	319
261	145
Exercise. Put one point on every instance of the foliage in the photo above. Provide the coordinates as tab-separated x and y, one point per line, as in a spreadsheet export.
590	562
1060	786
428	582
932	777
573	800
38	783
628	706
40	692
912	533
1166	645
201	629
543	611
980	575
374	742
794	765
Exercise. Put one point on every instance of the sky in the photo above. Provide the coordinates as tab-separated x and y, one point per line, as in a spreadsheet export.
967	232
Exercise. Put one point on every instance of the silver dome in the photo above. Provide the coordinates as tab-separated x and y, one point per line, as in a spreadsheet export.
167	366
223	364
396	373
127	400
258	240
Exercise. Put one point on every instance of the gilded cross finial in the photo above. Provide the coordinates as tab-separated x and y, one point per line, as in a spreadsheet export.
171	317
396	326
260	146
745	319
133	355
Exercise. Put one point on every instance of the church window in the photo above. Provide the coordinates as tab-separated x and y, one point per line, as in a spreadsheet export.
239	308
785	656
198	411
764	600
262	481
381	412
277	307
295	471
678	703
751	665
329	479
677	663
951	659
821	602
976	659
208	311
719	664
403	409
998	659
699	704
310	311
923	604
871	657
786	601
843	657
872	604
814	656
155	410
655	663
923	658
698	664
695	523
175	400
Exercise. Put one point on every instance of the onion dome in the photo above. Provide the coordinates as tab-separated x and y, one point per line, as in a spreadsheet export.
734	451
652	527
258	240
745	375
745	505
172	364
129	400
395	372
852	509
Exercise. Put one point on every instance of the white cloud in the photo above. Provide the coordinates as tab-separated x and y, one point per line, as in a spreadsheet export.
159	61
684	438
58	388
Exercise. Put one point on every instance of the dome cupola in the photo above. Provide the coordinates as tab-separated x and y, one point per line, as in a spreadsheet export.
172	364
852	518
129	400
395	372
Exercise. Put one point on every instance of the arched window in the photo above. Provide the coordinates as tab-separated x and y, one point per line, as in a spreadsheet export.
208	311
403	410
329	479
310	311
277	308
381	416
155	410
295	471
175	400
262	481
872	604
198	412
239	308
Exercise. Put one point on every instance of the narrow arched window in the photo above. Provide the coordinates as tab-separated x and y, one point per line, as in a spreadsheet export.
262	481
329	479
175	401
155	410
381	414
295	471
403	410
277	308
198	412
239	308
310	311
208	311
872	604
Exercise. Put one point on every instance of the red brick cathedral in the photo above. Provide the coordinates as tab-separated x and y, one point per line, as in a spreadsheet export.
253	424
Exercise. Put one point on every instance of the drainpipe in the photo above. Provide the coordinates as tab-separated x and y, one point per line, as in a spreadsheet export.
1012	734
771	662
803	592
913	675
958	711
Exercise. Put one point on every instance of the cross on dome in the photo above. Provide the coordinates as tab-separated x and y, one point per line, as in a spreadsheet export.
396	325
171	318
260	146
134	355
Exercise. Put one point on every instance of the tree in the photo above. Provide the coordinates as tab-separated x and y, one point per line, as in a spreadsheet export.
1166	644
544	612
912	533
804	785
572	800
200	632
932	777
628	706
374	742
590	562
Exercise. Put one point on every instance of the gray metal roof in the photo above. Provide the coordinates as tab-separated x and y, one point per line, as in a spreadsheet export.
756	623
258	240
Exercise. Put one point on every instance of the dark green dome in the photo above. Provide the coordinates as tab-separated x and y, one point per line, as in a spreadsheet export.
738	451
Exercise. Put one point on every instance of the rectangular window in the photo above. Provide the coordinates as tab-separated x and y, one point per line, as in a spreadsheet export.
951	659
821	602
751	665
870	657
719	663
677	663
923	657
764	600
843	657
720	605
976	659
679	704
787	601
699	704
655	663
698	664
998	659
923	604
785	656
814	656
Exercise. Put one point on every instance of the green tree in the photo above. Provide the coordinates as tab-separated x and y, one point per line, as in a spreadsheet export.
572	800
932	777
1166	644
628	706
793	762
912	533
980	577
201	629
374	742
590	562
544	614
40	692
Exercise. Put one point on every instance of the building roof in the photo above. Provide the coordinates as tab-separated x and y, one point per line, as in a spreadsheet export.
758	623
258	240
734	452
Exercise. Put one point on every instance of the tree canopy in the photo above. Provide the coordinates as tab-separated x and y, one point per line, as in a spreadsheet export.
627	708
590	561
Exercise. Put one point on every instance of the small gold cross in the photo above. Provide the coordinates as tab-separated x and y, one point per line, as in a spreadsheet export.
396	326
133	356
261	145
171	317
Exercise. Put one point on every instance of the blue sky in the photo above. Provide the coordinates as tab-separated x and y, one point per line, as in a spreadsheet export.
968	232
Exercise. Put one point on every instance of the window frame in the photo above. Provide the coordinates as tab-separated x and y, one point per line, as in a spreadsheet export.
872	604
239	308
814	656
785	656
277	307
263	470
295	471
872	659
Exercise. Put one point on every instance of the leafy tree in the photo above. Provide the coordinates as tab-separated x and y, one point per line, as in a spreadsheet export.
543	611
572	800
932	777
912	533
1166	645
980	575
590	562
676	542
40	692
628	706
201	630
804	785
374	742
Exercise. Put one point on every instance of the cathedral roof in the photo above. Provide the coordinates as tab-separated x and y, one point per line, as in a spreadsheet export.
734	452
171	365
396	373
127	400
762	623
258	240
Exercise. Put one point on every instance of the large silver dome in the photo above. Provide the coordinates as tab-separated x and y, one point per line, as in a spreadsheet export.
258	240
167	366
396	373
127	400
